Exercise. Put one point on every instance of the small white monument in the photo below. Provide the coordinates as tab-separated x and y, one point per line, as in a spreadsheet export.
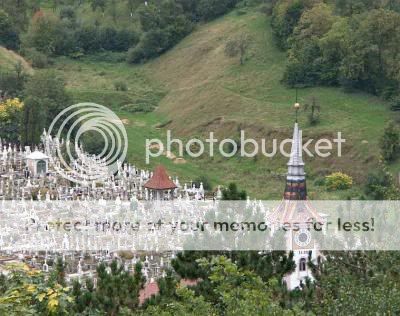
37	163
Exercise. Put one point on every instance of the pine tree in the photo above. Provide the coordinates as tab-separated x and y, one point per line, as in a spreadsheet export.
58	274
117	288
232	193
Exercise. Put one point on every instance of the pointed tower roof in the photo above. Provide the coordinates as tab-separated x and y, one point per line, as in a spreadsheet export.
296	163
296	188
160	180
295	207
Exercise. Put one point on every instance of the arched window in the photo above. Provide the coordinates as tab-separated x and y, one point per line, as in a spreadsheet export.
302	264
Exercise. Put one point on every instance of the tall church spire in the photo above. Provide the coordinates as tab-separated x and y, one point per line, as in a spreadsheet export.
296	164
296	188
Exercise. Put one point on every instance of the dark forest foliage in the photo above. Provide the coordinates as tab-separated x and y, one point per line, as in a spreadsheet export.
354	44
156	26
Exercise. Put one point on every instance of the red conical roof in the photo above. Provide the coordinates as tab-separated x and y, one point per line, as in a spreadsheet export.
160	180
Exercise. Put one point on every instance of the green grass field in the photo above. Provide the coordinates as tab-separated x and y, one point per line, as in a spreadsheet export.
198	89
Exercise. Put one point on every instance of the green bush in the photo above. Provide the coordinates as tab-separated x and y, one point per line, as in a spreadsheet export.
232	193
395	103
67	12
87	38
377	184
390	142
206	183
141	106
210	9
136	54
12	84
120	86
8	34
338	181
93	143
319	182
152	44
266	9
37	59
164	27
117	40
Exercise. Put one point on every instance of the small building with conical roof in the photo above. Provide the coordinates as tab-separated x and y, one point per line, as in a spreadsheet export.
160	185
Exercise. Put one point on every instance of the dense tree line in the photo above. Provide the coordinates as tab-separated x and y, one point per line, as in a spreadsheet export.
162	26
54	35
354	44
349	283
43	95
155	26
40	34
166	22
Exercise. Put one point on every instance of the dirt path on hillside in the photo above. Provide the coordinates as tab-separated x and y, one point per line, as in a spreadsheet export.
12	57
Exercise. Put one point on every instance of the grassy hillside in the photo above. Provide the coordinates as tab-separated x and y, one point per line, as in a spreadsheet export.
204	85
199	89
8	60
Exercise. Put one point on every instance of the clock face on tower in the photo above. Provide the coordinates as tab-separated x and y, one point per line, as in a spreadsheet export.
302	238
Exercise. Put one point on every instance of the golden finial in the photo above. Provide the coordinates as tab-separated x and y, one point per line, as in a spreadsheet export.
297	107
297	104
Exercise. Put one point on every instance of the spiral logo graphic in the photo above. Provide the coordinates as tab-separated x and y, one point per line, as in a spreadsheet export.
70	160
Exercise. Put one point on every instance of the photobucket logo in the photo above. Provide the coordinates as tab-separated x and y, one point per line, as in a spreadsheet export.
70	159
245	147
